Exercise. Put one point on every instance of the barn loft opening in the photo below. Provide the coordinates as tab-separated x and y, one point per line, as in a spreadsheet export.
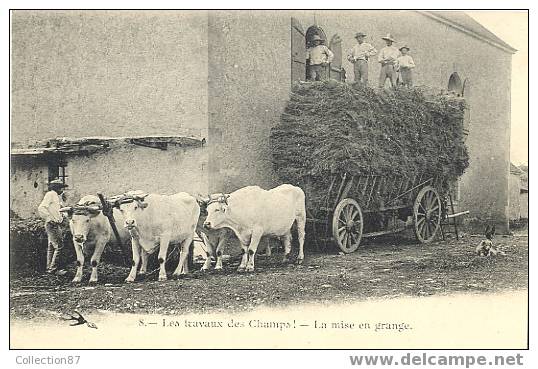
455	85
310	33
315	30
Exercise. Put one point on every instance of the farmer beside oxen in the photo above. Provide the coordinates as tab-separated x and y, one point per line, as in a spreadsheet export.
49	210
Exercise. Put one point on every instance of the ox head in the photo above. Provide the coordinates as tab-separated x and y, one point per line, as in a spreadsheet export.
131	204
217	209
80	217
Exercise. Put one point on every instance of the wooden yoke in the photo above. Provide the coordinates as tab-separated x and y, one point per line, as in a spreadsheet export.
107	211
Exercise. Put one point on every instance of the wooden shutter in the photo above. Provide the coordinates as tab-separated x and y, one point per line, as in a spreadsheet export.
466	93
298	52
335	70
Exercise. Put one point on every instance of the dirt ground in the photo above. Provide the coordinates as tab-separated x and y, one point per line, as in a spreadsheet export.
388	267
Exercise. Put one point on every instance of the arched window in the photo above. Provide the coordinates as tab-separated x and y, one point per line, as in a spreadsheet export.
298	52
335	71
455	85
315	30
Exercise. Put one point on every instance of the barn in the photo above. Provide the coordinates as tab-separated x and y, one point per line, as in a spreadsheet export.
170	101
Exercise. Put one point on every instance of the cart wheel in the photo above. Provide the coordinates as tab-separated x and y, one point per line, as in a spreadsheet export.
427	214
347	225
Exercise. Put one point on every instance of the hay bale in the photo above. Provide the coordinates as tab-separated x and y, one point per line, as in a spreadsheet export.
331	127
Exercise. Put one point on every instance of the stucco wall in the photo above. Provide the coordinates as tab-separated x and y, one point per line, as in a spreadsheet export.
249	80
107	73
27	185
139	168
249	68
136	73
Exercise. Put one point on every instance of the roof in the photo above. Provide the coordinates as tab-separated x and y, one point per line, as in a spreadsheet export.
515	170
89	145
465	23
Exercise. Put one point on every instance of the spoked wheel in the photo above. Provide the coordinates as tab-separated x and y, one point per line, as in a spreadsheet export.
427	214
347	225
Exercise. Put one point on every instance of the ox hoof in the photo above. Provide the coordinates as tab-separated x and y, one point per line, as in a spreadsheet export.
241	269
163	278
129	280
250	270
76	280
142	274
299	261
218	269
204	270
92	281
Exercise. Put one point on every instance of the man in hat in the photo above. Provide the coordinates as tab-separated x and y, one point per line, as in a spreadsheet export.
405	67
49	210
359	55
318	58
388	58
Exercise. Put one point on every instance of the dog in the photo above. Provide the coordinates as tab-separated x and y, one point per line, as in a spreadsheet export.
486	248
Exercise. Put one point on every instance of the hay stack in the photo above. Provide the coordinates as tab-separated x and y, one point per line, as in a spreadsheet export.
331	127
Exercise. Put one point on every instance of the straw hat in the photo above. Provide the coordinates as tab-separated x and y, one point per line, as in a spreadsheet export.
360	34
389	37
57	183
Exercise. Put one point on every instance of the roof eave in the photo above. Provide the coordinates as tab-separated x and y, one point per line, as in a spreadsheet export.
460	28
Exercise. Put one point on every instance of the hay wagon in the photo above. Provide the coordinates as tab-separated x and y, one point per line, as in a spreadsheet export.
358	207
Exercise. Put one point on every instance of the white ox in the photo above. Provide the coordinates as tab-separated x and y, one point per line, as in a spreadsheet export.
90	227
154	221
252	212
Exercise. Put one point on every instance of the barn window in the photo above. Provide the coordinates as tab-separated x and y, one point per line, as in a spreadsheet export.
335	69
57	169
454	84
298	52
310	33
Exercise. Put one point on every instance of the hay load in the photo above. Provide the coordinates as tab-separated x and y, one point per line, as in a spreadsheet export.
331	127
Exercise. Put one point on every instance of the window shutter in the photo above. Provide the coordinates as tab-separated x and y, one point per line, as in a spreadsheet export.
335	71
466	93
298	52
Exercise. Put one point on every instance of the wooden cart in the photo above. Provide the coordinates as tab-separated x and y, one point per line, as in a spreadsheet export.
358	207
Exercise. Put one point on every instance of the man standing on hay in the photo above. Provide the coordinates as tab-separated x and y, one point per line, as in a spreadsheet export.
405	67
318	57
49	210
388	58
359	55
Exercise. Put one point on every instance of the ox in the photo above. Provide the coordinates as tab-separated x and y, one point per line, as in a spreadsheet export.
252	212
90	227
154	221
212	238
216	239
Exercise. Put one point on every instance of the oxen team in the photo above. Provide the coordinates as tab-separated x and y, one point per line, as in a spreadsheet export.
154	221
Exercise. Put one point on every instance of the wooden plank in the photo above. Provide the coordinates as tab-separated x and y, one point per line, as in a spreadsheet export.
387	231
